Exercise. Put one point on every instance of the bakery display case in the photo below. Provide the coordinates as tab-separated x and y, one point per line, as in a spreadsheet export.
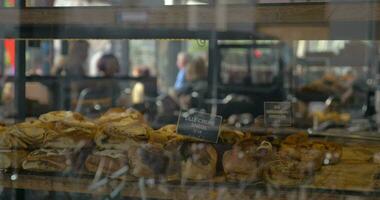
280	102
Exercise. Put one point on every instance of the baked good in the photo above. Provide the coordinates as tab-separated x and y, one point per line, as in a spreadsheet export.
12	158
295	139
296	145
241	162
198	161
117	114
283	173
8	141
332	151
122	134
67	119
48	160
29	134
165	134
106	161
148	160
231	136
71	129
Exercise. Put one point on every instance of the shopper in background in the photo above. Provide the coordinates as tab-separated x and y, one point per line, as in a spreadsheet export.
108	65
74	63
104	93
196	84
182	61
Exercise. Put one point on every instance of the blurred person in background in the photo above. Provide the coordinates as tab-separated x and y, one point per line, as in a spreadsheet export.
182	61
74	63
73	66
104	93
196	84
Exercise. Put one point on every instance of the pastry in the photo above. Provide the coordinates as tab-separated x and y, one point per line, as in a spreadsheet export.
198	161
122	134
48	160
165	134
67	119
295	139
117	114
8	141
283	173
106	161
72	130
230	136
148	160
241	162
247	159
73	139
12	158
332	151
30	134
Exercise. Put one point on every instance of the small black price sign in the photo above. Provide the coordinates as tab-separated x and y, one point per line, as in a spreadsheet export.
278	114
199	125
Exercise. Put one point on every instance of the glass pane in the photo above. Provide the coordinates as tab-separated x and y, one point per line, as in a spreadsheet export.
294	83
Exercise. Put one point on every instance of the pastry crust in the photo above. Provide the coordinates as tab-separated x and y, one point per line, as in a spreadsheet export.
67	118
30	134
48	160
117	114
122	134
12	158
107	161
199	161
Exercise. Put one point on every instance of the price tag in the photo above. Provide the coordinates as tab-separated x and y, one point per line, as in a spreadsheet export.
278	114
199	125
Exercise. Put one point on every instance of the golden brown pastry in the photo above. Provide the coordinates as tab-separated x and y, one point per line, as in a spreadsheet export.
117	114
30	134
12	158
198	161
106	161
122	134
71	129
165	134
67	120
74	139
8	141
48	160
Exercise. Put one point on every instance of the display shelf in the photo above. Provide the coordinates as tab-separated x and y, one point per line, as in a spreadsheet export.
160	190
284	21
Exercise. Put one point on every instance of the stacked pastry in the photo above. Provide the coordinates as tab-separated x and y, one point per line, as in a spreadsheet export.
17	140
299	158
66	137
117	129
